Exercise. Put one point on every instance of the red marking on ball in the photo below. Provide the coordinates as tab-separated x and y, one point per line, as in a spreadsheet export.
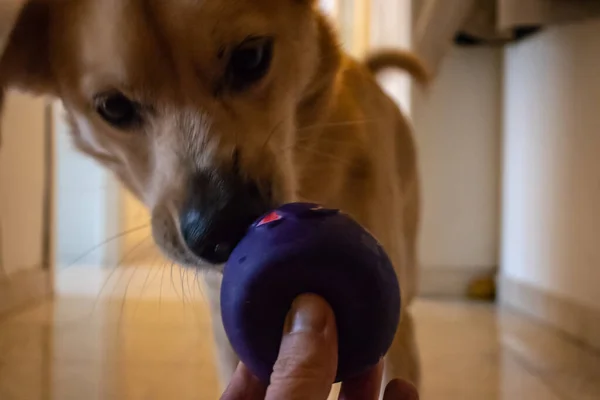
272	217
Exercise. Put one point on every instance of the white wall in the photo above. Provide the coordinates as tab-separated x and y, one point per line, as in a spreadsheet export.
22	166
457	128
88	204
551	223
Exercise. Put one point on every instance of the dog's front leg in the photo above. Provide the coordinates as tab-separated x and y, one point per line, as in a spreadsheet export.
226	358
402	360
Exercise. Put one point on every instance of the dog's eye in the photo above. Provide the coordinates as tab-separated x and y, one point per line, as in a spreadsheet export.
118	110
250	61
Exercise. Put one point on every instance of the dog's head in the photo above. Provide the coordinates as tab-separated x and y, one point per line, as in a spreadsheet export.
191	103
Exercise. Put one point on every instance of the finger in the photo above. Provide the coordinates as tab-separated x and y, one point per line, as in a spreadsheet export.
364	387
400	390
307	362
244	386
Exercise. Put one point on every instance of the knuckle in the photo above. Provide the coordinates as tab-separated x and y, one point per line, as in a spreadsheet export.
298	367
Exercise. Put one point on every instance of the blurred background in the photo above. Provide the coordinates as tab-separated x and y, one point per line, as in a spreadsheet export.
508	137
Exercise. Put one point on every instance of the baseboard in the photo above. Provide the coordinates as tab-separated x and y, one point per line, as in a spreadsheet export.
581	323
450	281
23	288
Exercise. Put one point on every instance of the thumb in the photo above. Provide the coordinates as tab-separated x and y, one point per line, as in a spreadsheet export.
307	362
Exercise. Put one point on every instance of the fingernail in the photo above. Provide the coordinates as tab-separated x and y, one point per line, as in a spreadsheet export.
309	313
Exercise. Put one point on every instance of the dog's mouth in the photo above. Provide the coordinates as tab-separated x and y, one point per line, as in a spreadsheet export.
213	238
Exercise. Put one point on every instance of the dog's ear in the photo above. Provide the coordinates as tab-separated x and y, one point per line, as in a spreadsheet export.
25	62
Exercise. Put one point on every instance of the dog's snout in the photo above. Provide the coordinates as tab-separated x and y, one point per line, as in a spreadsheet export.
204	238
217	214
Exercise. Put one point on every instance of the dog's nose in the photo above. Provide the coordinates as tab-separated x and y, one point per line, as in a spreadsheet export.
217	214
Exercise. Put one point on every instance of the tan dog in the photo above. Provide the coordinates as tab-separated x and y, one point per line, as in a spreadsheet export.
212	112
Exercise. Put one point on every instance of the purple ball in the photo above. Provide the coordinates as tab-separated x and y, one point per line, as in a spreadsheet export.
303	248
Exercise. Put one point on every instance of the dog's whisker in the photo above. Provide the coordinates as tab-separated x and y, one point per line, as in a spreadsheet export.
147	281
112	273
190	303
160	291
193	284
326	155
172	281
330	139
103	288
197	284
336	124
306	143
189	288
104	243
124	300
121	266
194	301
270	136
133	251
157	268
181	278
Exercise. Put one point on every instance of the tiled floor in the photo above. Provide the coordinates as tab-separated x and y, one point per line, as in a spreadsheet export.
126	343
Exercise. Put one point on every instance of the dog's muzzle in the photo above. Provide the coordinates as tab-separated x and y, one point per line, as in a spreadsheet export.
217	213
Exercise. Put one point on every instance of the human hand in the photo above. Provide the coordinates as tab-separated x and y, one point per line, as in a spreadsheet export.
307	363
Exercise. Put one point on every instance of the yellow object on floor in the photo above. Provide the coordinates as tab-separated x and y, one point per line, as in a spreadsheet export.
482	289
